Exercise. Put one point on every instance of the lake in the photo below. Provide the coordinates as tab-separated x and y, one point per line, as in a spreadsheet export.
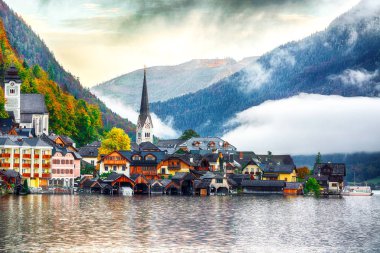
98	223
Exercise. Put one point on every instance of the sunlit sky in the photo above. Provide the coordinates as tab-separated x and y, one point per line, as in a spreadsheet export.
97	40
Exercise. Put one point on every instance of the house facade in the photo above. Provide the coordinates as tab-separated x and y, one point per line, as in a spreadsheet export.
30	157
115	162
89	153
65	168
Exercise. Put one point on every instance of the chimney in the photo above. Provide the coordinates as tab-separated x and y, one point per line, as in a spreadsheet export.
241	155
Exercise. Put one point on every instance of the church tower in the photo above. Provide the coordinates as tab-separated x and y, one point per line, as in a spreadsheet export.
12	92
144	130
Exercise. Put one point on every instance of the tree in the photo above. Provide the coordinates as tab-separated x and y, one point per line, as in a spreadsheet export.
303	172
115	139
3	113
318	158
312	186
188	134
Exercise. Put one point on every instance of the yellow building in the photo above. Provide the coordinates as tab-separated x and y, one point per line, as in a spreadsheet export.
277	167
173	164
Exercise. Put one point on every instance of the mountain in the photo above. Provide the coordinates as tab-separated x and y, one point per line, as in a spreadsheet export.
342	60
67	115
167	82
33	50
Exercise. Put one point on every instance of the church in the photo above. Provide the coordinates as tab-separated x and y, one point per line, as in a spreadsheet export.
144	129
28	110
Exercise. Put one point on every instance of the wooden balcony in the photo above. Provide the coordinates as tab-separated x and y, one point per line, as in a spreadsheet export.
6	155
26	156
5	165
25	174
26	165
177	167
115	162
46	156
16	155
46	165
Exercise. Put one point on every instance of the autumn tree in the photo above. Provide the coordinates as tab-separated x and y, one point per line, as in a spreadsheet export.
115	139
303	172
188	134
3	113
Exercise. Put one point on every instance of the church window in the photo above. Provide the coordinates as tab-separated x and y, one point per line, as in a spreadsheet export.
12	91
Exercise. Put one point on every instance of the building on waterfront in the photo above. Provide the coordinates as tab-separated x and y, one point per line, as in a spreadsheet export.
174	163
31	157
29	110
330	177
90	153
144	129
277	167
65	168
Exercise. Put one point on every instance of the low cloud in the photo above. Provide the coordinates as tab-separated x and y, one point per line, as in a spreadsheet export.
162	129
357	77
309	123
257	75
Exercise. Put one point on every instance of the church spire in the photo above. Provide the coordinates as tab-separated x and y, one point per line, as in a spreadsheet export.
144	108
144	130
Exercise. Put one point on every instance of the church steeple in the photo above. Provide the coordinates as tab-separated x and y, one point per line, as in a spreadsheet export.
144	108
144	130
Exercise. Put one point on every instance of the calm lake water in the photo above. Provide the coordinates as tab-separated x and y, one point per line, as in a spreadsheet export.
84	223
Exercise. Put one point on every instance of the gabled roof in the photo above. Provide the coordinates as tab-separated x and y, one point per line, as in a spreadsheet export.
6	125
119	152
113	176
202	184
89	151
294	185
148	146
203	143
36	142
165	182
337	169
32	104
5	141
160	155
276	159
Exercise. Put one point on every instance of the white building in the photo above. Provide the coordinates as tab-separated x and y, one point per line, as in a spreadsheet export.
29	110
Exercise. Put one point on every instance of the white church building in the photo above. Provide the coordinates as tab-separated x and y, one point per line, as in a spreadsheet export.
29	110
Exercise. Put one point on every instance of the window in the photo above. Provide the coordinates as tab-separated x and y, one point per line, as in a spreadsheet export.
106	168
139	135
123	168
163	171
150	158
71	161
136	157
219	181
114	168
54	171
3	151
58	171
71	171
286	179
92	162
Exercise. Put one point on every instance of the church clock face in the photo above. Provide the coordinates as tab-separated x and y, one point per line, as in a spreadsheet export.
12	84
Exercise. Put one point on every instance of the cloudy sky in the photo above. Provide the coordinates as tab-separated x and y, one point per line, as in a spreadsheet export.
100	39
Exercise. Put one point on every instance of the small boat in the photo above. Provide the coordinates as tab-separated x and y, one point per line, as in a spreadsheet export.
357	191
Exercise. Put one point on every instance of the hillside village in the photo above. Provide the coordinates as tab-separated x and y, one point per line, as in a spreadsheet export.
34	157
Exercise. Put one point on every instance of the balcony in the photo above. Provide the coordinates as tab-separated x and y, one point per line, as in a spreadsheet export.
16	155
36	175
5	165
176	167
36	156
36	165
17	165
46	175
46	165
46	156
25	174
26	156
115	162
26	165
6	155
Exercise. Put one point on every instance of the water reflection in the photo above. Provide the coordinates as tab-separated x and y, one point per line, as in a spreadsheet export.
64	223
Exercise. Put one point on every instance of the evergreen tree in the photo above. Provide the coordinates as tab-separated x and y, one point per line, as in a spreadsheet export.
188	134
